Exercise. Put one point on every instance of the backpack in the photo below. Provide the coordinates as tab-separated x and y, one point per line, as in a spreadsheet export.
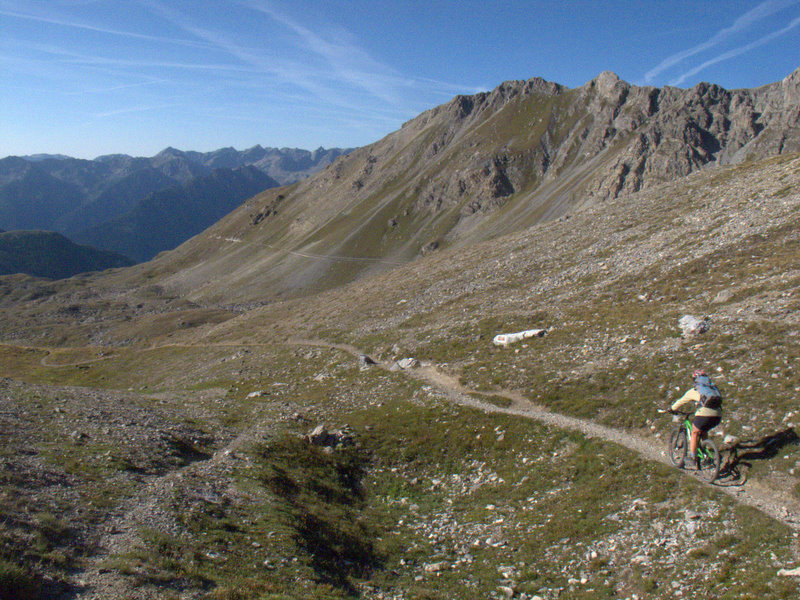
709	393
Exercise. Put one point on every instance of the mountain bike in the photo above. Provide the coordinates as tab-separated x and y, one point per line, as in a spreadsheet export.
707	459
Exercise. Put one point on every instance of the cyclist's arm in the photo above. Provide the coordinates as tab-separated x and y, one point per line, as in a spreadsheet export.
691	396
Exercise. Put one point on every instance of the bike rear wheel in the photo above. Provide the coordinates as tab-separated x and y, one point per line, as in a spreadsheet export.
709	461
678	444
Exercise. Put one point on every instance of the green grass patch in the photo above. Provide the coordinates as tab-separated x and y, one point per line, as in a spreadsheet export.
323	502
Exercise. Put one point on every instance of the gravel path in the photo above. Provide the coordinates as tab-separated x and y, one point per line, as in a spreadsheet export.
122	532
778	504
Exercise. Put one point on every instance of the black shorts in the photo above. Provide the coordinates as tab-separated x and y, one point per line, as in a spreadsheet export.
706	423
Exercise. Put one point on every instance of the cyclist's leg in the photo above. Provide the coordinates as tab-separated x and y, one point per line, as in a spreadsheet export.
694	442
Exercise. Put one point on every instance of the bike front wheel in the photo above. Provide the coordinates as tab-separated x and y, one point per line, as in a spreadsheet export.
709	460
678	444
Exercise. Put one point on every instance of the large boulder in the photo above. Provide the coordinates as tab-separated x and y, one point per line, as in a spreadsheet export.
691	326
320	436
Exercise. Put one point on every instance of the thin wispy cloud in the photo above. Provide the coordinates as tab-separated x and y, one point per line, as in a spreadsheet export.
445	88
338	69
351	63
743	23
737	51
282	69
357	67
75	24
116	88
60	62
133	109
155	64
76	69
69	57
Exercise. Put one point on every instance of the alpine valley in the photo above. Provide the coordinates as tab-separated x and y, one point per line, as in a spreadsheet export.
141	206
304	400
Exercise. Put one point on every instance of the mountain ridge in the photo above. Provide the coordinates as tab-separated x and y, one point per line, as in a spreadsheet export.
481	166
86	200
90	187
51	255
166	218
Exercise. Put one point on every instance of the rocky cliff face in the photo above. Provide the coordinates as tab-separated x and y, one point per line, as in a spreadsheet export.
485	165
606	138
633	136
670	133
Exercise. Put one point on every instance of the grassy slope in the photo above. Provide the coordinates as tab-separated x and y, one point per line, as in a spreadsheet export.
421	177
434	501
611	283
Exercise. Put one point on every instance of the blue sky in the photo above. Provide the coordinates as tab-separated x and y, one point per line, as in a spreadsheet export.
92	77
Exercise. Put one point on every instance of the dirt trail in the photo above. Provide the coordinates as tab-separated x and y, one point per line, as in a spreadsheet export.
121	533
328	257
778	504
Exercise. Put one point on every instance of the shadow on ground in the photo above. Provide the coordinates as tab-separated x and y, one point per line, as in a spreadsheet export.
741	454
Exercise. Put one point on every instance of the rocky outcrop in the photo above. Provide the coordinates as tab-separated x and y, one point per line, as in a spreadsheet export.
662	134
649	134
320	436
632	136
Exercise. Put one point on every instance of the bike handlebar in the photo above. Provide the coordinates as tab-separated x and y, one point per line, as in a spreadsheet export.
674	412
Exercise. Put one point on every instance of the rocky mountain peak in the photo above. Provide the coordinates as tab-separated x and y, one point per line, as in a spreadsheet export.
528	151
609	84
790	86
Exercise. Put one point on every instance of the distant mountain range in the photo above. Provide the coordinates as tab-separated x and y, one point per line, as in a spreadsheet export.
140	206
165	219
49	254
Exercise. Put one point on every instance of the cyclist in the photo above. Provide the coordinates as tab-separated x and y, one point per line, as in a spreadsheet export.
708	416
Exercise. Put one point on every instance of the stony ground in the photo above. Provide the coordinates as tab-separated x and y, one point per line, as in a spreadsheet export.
451	518
154	463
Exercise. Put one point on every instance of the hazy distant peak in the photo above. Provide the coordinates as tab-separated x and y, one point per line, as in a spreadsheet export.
111	157
170	151
41	157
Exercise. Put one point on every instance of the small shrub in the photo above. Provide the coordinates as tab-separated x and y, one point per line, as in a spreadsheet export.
52	532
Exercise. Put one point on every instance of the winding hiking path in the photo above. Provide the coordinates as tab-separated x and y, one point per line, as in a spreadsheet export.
122	532
778	504
328	257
